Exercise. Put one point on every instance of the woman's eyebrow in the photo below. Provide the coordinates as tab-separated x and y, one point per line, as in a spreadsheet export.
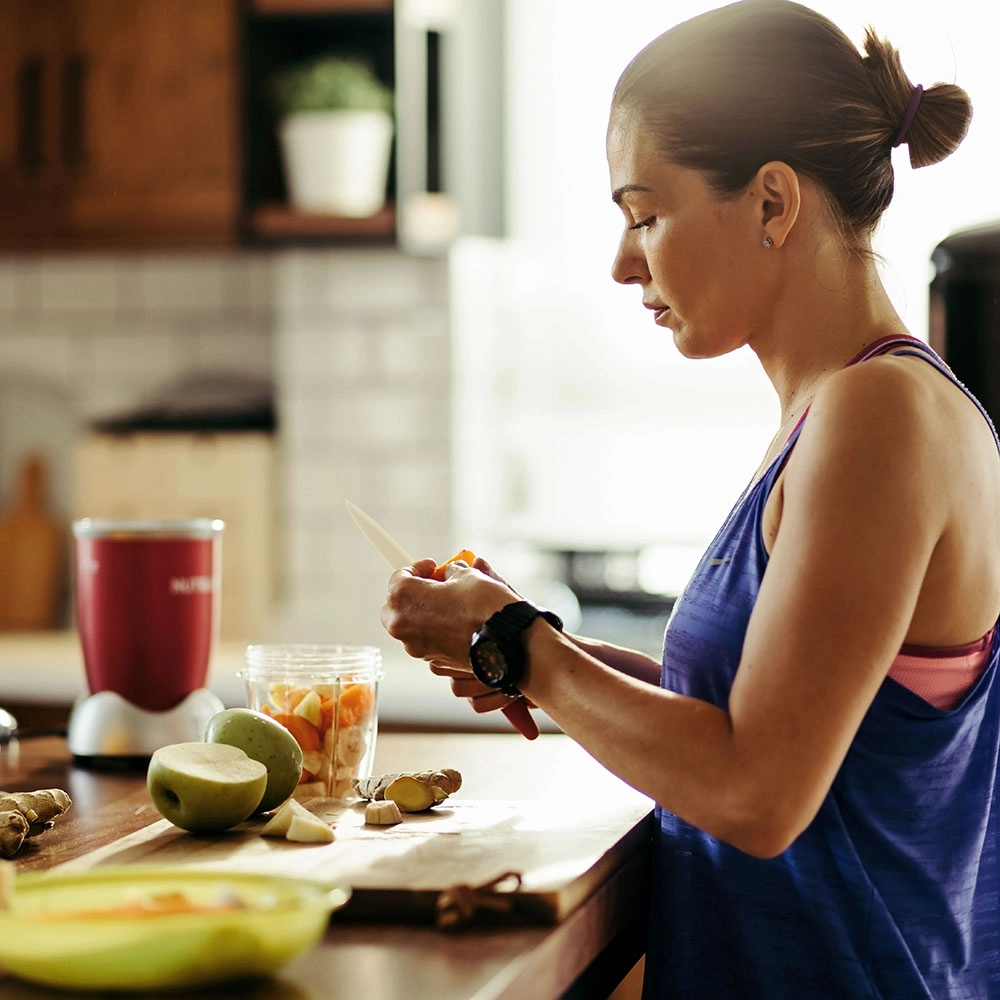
616	196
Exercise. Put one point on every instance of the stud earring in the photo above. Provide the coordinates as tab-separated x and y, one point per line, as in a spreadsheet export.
767	243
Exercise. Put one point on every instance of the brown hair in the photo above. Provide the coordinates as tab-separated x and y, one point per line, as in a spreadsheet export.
760	80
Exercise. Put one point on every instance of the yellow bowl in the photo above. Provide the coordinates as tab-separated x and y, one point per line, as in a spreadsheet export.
51	937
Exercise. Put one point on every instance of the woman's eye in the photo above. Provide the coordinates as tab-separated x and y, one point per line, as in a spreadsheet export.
645	223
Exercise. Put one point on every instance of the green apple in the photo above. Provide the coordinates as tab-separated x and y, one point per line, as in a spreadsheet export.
205	787
261	738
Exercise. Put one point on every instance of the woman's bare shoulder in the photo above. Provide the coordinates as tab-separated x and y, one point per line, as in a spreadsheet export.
898	406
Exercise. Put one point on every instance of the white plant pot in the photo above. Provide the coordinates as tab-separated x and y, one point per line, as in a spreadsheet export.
337	162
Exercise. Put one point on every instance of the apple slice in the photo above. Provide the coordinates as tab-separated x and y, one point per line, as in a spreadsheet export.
294	822
205	787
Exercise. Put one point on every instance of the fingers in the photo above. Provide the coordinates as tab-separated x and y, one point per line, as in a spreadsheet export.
445	668
465	685
436	620
493	701
454	567
469	687
422	568
403	585
484	567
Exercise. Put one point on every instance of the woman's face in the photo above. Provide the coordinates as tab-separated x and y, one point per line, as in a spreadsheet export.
691	252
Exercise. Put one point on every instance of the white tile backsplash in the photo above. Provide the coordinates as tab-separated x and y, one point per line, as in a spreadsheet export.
374	282
41	350
339	350
20	289
412	346
9	288
78	284
146	353
357	342
244	345
359	399
189	284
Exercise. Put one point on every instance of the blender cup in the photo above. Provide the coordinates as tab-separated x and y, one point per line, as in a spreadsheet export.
147	599
326	696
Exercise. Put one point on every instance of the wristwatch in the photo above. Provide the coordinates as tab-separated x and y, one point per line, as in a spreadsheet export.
497	652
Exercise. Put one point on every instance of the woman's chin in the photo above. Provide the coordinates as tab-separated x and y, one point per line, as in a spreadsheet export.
695	349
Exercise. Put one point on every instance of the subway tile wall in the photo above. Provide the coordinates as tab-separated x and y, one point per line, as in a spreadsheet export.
356	342
362	367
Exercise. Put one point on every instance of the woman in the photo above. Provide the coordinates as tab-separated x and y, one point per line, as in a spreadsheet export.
822	735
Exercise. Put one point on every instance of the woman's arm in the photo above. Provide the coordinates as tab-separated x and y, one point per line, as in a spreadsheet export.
862	513
625	661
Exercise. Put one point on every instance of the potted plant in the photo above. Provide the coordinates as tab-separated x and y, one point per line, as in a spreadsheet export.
335	131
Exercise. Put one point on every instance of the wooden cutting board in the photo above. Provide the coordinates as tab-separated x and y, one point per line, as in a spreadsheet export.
33	548
563	850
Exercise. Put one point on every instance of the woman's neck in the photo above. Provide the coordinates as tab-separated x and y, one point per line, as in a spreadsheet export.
824	317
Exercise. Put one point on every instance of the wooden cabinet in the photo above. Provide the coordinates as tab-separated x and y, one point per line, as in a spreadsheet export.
142	123
119	123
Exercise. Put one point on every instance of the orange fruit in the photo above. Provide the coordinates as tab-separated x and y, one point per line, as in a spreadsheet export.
464	556
305	733
356	701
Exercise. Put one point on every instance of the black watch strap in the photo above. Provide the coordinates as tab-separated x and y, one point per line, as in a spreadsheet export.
497	654
512	619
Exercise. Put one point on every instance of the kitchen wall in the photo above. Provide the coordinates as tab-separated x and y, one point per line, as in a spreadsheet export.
362	362
356	342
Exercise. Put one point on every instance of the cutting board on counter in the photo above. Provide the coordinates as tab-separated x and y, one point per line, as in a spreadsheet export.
33	547
563	850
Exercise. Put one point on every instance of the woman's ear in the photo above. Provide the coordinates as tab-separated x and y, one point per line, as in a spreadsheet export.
778	200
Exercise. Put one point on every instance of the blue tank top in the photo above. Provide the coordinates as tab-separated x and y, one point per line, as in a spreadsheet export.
892	891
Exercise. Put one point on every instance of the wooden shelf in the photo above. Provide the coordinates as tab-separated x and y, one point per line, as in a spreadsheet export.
279	222
322	6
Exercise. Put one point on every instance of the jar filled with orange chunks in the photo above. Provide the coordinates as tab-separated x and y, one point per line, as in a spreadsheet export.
326	696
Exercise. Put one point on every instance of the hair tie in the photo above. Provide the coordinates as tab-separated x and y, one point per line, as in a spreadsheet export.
911	110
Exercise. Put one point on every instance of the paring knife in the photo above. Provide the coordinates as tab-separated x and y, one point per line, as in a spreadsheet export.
395	555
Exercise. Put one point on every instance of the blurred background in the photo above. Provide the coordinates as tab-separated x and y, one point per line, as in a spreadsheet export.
194	324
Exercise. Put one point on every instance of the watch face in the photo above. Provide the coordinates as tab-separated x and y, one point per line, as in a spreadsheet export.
492	667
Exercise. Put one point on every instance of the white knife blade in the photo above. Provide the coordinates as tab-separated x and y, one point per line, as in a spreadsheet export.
390	550
395	555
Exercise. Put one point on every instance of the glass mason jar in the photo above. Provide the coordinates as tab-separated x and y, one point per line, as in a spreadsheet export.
326	696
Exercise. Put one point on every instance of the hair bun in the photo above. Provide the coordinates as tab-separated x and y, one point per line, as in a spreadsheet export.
931	122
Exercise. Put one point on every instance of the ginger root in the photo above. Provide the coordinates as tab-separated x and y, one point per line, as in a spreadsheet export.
412	791
27	814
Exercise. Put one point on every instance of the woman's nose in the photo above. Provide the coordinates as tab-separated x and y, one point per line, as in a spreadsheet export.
629	266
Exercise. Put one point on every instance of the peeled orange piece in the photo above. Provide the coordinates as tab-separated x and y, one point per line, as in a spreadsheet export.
464	556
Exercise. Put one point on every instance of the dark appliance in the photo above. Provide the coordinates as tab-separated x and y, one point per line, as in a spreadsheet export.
964	325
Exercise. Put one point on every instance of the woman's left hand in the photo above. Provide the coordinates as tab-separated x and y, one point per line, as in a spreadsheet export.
435	620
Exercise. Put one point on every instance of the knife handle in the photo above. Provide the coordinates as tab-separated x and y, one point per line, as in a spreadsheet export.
521	718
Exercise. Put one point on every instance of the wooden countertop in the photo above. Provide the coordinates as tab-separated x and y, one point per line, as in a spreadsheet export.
585	955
